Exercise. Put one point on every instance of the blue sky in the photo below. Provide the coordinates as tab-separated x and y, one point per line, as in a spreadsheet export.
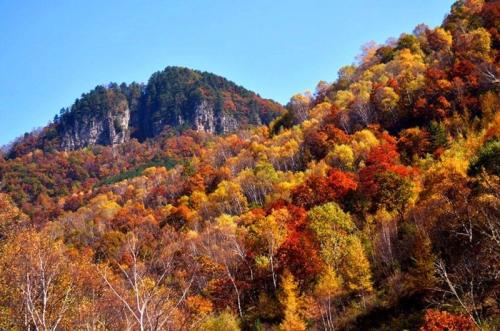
53	51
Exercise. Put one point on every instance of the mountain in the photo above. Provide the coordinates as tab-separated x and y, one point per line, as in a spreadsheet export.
372	204
175	99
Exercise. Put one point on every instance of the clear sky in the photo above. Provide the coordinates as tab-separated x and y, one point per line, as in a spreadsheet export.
51	51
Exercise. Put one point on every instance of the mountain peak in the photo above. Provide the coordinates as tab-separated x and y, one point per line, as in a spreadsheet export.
175	99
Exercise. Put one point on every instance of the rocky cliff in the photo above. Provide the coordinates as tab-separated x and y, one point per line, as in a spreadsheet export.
175	99
110	128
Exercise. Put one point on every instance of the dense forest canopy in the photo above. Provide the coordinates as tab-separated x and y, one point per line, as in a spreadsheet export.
370	204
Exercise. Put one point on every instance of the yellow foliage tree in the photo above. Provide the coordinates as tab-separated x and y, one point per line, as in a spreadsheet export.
356	267
326	291
291	303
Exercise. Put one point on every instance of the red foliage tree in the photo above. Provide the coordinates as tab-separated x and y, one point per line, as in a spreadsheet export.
316	144
436	320
467	71
384	179
318	190
335	134
182	146
340	183
133	216
299	253
414	142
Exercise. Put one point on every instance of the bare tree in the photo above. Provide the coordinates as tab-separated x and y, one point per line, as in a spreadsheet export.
489	74
38	288
46	305
222	244
147	302
466	300
363	112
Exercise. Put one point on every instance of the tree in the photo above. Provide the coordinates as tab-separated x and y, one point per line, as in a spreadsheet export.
327	291
313	191
345	75
442	320
258	183
223	321
228	199
284	151
10	216
340	247
361	108
343	99
131	216
413	143
438	137
408	69
299	253
384	181
316	144
342	157
458	217
363	142
394	191
328	219
341	183
272	229
222	243
318	190
41	282
384	239
488	159
290	300
355	267
299	107
475	44
147	302
424	260
386	99
439	39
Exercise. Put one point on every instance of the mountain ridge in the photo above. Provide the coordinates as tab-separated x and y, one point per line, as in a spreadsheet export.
175	99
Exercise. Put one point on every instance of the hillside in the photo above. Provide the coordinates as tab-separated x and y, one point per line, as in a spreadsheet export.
372	204
174	100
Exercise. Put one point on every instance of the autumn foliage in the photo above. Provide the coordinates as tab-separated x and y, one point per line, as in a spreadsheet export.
435	320
372	203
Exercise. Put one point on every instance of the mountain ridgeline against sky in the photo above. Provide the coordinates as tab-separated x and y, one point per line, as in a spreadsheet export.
175	99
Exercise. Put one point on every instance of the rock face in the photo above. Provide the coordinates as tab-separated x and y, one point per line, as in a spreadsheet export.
207	120
228	123
101	117
204	119
112	129
175	99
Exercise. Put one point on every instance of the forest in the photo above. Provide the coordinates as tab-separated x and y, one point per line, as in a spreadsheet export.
372	203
